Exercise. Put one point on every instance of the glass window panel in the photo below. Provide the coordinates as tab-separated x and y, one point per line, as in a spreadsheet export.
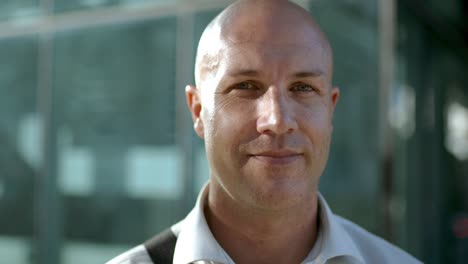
79	252
72	5
14	9
119	168
432	160
20	148
15	249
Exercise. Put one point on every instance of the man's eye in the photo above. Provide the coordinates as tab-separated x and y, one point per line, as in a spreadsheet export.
244	86
302	87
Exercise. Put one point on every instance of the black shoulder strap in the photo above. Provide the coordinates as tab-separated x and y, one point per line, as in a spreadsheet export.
161	247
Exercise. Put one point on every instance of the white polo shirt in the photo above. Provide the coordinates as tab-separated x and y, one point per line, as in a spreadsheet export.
339	241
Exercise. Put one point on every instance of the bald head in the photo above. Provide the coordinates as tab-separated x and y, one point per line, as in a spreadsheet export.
271	22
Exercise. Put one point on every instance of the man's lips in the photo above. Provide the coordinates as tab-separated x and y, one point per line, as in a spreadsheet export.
277	157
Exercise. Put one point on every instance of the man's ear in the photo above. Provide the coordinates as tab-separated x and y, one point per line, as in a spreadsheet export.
335	95
192	95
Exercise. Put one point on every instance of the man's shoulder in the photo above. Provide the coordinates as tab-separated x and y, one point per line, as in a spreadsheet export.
373	248
160	247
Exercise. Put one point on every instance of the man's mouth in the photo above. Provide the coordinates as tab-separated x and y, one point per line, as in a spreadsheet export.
277	157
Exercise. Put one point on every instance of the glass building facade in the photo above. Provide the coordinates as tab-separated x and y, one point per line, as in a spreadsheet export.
97	151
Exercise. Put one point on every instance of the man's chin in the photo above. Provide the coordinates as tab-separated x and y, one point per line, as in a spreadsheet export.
281	195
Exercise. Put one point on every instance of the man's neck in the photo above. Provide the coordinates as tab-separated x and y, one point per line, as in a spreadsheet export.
253	236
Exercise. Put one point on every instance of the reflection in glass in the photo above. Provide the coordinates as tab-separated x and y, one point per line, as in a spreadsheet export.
457	130
18	9
67	5
20	149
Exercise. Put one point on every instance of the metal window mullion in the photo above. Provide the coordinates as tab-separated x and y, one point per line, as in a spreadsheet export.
387	31
48	228
183	75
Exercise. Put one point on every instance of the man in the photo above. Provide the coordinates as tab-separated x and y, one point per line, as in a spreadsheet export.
263	103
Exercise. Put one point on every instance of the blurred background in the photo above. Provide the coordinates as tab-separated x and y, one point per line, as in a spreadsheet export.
97	151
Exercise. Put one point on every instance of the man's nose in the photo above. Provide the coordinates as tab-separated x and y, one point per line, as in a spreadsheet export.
275	113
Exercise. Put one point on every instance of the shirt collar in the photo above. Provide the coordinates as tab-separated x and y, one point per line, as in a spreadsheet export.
335	239
196	242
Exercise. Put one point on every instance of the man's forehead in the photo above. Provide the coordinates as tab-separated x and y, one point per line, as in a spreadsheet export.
259	56
257	59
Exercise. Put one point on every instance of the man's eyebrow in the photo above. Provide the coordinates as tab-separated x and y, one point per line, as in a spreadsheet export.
248	73
253	73
305	74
